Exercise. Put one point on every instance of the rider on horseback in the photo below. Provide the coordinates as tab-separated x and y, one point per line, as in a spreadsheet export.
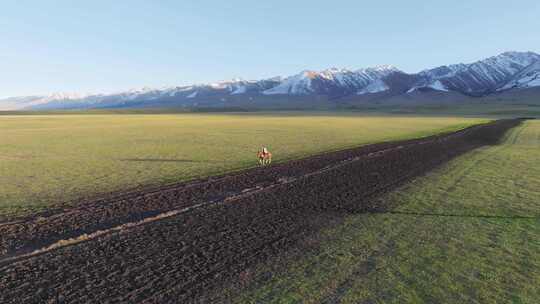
265	157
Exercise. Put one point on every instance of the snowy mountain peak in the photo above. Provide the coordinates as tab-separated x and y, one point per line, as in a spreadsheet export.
525	58
334	70
295	85
65	95
382	69
527	78
506	71
332	81
309	74
480	77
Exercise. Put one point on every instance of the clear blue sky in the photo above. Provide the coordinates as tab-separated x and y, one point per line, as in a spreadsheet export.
93	46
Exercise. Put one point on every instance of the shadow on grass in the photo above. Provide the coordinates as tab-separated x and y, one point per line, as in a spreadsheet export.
170	160
506	217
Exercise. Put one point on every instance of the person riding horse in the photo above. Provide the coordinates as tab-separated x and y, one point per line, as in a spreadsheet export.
264	156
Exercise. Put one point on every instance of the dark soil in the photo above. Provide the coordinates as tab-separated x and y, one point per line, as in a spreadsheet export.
242	220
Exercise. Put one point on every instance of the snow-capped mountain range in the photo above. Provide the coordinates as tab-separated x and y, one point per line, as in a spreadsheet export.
330	82
504	72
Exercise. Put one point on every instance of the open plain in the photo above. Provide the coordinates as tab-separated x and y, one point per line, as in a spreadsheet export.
197	237
49	161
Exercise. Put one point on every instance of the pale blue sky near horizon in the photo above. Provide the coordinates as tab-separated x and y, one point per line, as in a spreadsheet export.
104	46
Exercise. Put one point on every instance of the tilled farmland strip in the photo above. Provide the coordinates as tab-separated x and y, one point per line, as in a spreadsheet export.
179	258
90	216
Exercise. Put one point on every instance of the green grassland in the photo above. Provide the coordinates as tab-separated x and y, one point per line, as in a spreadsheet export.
49	159
468	232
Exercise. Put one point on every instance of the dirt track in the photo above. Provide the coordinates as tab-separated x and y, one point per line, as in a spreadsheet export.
214	229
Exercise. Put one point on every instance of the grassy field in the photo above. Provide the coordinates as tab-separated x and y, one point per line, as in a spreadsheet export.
466	233
49	159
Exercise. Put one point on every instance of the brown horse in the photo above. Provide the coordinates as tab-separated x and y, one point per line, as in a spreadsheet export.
264	158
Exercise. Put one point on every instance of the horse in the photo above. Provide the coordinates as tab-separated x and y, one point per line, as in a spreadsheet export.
264	158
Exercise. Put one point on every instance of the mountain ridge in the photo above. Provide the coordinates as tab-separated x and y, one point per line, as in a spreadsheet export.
504	72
